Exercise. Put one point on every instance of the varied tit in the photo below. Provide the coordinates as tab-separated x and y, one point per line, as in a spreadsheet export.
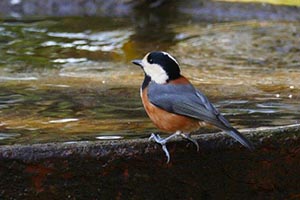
175	105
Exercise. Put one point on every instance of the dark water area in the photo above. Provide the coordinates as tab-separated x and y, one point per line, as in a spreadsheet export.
63	79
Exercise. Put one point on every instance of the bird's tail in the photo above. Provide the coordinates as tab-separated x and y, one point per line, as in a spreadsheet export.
225	126
239	137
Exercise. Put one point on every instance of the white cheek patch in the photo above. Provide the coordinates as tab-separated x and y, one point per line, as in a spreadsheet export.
156	72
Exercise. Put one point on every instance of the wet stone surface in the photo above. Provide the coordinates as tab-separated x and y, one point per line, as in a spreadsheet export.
137	170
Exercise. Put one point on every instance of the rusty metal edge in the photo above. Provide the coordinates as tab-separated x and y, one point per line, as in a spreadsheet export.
138	147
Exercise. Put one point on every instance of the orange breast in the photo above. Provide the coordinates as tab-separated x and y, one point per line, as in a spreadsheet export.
168	122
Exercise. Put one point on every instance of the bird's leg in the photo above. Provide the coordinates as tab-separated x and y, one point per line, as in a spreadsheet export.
189	138
163	141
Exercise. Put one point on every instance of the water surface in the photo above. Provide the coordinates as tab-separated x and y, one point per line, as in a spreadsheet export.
70	78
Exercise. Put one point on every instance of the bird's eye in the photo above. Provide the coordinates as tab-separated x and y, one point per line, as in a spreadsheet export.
150	59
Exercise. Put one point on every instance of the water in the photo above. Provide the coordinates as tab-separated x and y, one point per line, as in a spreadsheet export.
63	79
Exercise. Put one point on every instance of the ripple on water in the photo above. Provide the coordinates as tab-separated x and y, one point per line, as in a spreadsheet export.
66	120
4	136
15	78
263	111
63	44
91	69
230	102
69	60
274	105
101	41
292	108
109	137
11	99
58	85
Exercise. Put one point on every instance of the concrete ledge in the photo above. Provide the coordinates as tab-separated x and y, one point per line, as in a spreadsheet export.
140	147
136	169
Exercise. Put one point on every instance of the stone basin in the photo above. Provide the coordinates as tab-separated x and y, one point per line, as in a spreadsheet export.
137	169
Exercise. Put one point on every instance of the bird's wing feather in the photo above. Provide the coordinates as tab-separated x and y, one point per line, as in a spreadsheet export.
185	100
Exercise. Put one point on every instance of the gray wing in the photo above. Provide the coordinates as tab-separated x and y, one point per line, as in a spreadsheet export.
185	100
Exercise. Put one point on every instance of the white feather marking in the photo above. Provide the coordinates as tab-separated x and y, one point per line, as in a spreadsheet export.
155	71
171	57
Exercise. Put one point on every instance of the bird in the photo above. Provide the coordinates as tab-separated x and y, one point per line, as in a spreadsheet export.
174	105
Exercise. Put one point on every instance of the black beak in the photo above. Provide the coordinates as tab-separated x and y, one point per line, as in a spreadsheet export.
137	62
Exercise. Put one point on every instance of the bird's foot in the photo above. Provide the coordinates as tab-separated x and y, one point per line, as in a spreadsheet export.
156	138
189	138
163	142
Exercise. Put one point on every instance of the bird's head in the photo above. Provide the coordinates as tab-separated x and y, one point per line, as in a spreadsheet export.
160	66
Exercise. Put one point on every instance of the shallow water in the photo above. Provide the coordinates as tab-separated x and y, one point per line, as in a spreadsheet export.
63	79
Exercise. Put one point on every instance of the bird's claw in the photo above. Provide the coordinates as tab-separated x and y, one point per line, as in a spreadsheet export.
189	138
162	142
195	142
157	139
164	147
152	136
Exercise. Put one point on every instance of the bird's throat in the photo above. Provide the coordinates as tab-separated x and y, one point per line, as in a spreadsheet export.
146	81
